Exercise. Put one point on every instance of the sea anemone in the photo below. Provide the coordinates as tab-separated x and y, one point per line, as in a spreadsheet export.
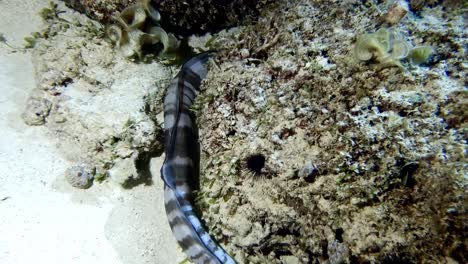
387	48
137	31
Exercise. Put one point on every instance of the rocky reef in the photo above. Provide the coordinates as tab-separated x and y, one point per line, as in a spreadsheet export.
96	103
100	10
182	17
309	153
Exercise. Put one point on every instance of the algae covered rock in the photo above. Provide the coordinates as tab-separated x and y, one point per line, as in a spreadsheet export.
359	165
96	104
180	17
201	16
101	10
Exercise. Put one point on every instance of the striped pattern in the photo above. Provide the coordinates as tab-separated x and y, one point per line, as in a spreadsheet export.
180	168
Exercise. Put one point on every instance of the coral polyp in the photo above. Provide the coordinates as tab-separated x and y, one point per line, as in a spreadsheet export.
137	27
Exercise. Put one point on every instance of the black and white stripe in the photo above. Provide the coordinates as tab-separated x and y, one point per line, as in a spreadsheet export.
180	167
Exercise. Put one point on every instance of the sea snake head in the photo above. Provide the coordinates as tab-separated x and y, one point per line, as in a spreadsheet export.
180	167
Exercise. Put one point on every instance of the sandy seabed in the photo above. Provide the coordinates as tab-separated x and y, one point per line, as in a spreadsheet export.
42	218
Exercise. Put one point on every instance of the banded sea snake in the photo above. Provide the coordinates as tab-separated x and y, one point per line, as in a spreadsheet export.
182	163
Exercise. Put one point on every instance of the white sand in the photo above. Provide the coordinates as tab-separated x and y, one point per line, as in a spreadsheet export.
42	218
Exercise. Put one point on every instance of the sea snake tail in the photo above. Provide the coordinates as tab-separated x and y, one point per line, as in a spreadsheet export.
180	167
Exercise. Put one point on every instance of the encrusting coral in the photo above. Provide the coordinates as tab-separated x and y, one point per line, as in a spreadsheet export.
137	28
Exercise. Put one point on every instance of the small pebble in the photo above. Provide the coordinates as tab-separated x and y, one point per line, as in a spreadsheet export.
308	172
396	12
244	53
80	176
36	111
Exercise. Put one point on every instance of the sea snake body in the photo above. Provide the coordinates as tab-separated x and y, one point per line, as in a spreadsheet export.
181	164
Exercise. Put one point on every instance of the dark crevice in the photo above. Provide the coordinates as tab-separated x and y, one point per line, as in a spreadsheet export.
406	174
65	82
280	249
283	231
339	234
142	165
324	246
397	258
310	178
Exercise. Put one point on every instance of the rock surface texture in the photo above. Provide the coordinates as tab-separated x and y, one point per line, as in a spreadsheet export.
96	102
180	17
362	162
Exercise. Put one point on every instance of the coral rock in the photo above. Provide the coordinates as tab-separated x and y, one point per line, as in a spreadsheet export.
123	171
37	109
80	176
179	17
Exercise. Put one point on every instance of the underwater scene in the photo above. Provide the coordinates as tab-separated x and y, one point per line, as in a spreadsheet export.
241	131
